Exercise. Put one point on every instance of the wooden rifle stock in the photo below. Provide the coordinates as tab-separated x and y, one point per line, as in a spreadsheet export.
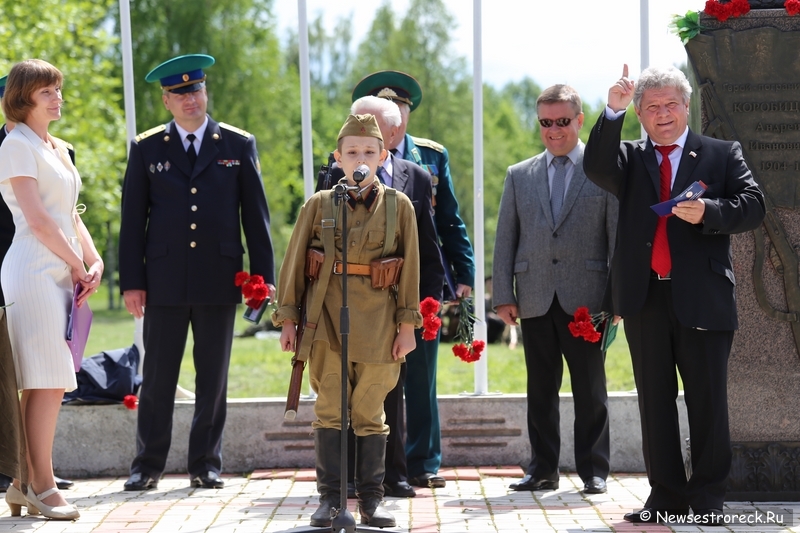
296	381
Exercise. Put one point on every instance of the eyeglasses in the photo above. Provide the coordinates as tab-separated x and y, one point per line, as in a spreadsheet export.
560	122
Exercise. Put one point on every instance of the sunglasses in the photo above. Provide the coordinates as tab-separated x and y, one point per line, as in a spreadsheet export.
560	122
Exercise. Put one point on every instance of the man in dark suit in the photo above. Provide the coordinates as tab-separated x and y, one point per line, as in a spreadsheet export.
424	443
673	281
191	186
413	181
6	237
555	239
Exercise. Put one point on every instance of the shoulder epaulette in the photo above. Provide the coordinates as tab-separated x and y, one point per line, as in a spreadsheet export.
427	143
150	132
234	129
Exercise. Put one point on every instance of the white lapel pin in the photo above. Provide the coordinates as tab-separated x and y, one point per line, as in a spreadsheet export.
692	154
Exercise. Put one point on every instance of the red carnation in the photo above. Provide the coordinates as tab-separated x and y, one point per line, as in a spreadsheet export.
130	401
478	347
792	7
255	279
429	307
461	351
241	278
431	325
260	291
248	290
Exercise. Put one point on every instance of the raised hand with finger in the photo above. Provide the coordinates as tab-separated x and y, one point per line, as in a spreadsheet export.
621	93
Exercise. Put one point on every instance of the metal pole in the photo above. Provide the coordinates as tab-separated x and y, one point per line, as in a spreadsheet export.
482	365
305	99
644	39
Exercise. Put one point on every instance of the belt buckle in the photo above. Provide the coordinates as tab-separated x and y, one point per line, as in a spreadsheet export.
337	267
664	278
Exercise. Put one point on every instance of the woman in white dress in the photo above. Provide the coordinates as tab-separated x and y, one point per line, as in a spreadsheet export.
48	257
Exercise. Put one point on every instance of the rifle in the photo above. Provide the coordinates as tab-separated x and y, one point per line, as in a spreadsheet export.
296	381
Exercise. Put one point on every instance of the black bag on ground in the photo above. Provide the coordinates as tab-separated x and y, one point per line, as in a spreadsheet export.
106	378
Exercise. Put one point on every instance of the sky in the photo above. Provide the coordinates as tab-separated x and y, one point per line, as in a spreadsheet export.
583	43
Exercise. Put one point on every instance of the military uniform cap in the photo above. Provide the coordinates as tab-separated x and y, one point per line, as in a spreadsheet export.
182	74
360	126
392	85
3	85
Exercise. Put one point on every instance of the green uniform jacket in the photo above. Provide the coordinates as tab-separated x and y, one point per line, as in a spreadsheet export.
455	244
374	314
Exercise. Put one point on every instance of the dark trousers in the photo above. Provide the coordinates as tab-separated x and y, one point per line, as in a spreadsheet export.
545	339
423	429
165	332
659	343
396	468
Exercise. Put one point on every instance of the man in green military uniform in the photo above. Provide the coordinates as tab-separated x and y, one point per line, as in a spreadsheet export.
423	444
383	320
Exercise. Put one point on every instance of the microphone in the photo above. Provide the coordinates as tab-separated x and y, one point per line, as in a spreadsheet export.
361	173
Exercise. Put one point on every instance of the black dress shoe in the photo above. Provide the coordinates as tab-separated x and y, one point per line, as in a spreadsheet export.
531	483
708	517
64	484
209	480
596	485
428	480
5	482
140	481
399	489
648	515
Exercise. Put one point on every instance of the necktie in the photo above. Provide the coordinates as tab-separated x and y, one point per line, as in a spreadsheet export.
191	152
559	185
661	262
383	175
394	151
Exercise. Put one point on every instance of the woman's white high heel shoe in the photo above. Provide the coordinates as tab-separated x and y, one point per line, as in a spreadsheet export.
16	501
61	512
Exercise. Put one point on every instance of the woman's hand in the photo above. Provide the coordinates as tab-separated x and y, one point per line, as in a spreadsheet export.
89	280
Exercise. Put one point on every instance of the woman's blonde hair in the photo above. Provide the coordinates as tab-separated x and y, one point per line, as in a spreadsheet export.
25	78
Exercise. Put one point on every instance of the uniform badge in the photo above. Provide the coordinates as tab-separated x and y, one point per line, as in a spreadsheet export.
229	162
167	165
160	167
152	168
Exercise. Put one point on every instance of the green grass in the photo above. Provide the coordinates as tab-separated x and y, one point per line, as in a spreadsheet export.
260	369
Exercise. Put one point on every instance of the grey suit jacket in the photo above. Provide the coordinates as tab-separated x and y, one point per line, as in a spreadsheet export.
536	257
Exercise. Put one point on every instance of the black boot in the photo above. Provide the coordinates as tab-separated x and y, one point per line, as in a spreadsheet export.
328	448
370	469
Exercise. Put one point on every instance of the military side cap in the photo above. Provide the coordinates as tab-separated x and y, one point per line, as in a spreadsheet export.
360	126
392	85
3	85
182	74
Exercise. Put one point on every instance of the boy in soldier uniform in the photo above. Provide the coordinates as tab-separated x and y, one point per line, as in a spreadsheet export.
383	319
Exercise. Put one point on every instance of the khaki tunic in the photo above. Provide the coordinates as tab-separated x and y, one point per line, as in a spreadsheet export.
374	314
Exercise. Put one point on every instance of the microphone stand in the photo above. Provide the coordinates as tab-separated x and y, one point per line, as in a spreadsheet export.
342	520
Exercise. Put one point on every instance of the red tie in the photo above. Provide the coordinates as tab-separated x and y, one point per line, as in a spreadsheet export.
661	262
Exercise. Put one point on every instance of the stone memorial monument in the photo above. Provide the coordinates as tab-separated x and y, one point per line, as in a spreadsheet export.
747	68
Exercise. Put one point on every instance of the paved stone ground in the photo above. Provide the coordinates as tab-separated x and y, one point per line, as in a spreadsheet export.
475	500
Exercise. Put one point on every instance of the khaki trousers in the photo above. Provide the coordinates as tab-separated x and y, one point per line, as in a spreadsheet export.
367	387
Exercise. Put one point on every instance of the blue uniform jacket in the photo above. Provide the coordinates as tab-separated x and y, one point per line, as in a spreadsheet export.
181	231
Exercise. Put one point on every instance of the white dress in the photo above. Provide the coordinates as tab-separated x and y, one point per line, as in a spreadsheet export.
36	280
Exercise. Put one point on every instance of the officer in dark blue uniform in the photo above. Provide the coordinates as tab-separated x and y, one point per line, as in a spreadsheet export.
6	236
191	186
423	445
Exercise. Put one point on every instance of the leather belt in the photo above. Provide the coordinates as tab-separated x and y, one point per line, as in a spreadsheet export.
659	277
352	268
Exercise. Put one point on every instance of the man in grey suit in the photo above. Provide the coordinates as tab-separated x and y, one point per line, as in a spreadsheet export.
555	239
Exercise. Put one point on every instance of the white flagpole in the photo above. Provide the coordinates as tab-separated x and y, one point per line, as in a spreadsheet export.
644	39
481	366
305	99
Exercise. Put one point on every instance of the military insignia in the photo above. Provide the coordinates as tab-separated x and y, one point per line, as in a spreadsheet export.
185	77
152	168
386	92
166	138
167	165
151	131
228	162
433	170
241	132
160	167
427	143
215	136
